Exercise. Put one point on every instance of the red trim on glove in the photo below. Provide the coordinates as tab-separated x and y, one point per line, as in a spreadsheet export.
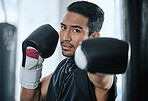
32	53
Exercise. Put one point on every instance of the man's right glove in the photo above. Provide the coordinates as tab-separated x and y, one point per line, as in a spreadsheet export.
103	56
30	74
39	45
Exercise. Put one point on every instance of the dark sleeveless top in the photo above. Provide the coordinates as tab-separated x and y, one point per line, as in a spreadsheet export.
69	83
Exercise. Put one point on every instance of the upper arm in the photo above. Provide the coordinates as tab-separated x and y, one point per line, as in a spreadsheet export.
44	87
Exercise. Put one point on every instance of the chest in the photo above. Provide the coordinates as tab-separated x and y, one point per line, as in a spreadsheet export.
72	85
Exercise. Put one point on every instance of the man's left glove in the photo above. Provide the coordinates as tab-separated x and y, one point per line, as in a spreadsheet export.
103	55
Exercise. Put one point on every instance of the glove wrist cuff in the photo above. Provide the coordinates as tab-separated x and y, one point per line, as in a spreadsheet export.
30	78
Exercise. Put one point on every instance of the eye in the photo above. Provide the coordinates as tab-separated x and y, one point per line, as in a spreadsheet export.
63	27
76	31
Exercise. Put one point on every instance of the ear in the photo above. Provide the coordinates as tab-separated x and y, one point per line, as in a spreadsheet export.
95	34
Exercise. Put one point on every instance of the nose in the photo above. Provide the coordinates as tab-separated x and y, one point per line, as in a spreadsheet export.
66	35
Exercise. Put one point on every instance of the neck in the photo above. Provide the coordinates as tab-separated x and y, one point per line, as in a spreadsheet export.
70	57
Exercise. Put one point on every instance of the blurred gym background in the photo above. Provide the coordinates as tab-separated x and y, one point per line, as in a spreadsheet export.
24	16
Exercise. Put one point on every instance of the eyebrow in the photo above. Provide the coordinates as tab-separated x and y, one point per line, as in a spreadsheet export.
74	26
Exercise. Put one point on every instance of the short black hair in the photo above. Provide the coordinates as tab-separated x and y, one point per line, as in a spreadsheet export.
90	10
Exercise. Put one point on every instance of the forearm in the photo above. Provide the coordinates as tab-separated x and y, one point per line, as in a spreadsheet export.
103	82
30	94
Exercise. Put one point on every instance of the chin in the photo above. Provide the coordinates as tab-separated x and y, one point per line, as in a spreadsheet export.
68	55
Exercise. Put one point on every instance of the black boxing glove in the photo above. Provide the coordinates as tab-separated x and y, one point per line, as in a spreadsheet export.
40	44
103	55
44	39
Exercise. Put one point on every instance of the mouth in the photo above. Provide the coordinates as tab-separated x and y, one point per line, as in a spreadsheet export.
66	46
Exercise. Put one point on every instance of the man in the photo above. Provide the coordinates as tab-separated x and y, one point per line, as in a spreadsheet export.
82	20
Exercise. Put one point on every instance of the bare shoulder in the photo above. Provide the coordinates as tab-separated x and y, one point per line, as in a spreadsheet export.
44	86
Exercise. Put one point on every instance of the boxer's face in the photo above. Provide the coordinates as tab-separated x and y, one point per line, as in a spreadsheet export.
73	30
